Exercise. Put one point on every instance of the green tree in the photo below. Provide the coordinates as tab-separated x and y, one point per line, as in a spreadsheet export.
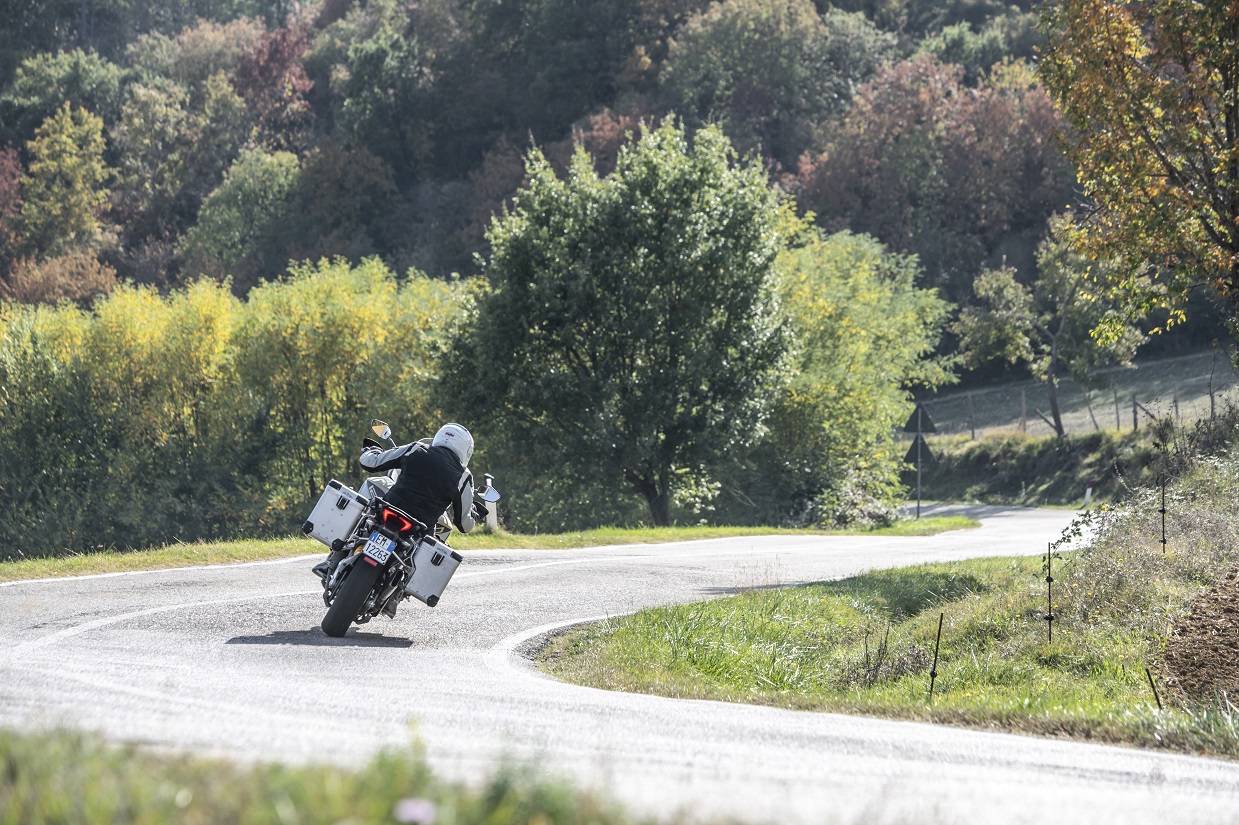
864	336
771	73
385	105
242	228
152	139
1048	326
45	82
327	350
632	333
1151	91
63	189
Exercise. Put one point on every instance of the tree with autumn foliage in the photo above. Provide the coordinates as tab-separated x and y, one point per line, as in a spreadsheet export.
10	205
1151	92
960	177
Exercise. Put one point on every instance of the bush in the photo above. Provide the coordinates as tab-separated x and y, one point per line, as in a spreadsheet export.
198	416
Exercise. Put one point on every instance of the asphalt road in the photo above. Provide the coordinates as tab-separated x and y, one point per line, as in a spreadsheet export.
230	661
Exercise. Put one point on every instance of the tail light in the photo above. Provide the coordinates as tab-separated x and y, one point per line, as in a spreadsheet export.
396	521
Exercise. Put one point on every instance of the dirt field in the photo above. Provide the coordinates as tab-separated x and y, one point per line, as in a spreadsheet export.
1202	656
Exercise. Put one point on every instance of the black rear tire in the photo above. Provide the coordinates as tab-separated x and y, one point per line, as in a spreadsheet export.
353	592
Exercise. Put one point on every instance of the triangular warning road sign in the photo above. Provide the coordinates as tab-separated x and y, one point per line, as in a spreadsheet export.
926	455
919	421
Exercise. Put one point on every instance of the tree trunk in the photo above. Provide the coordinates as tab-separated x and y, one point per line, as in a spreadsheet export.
657	496
660	508
1052	380
1055	414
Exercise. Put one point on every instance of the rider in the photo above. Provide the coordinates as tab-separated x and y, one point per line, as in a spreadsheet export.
432	480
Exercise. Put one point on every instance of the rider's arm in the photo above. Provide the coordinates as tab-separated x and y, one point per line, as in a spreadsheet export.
379	460
462	505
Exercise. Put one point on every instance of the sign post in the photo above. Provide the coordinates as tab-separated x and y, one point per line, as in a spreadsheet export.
919	453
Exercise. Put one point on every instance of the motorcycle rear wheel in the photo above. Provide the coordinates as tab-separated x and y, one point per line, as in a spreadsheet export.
349	598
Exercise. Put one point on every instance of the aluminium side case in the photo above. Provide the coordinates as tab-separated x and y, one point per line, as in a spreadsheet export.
433	565
336	515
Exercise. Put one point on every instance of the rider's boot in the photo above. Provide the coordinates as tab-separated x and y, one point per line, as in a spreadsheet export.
327	566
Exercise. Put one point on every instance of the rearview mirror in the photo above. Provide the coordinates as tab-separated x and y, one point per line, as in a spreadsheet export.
380	428
490	495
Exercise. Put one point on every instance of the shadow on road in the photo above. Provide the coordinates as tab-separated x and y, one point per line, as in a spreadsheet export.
314	636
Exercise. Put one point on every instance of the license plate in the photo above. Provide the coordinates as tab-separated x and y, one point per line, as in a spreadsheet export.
379	547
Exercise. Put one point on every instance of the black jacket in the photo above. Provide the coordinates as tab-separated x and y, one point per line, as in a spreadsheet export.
431	481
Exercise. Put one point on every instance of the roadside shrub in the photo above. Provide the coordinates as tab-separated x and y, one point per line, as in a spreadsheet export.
149	419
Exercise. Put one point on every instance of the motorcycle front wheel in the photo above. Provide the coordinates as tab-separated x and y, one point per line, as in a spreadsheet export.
349	598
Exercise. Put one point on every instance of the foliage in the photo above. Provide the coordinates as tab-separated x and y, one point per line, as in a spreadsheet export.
862	332
632	332
273	83
200	416
239	229
46	82
369	344
1151	93
153	140
959	178
769	73
10	205
63	188
976	52
72	778
341	191
197	52
1048	326
76	276
384	102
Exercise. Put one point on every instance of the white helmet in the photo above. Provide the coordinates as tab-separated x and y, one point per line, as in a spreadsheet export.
458	438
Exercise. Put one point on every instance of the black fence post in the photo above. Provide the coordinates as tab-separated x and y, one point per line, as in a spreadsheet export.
1162	510
933	671
1154	687
1049	594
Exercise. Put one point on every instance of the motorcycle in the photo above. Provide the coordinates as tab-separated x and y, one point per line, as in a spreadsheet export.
390	555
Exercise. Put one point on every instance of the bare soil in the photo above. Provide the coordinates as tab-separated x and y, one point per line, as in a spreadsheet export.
1202	655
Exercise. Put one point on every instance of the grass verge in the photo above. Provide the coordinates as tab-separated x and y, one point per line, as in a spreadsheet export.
64	778
193	554
865	644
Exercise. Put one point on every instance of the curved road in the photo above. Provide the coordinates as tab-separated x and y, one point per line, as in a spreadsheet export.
230	661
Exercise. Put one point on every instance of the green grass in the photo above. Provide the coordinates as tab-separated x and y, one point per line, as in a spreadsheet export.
187	555
865	644
63	778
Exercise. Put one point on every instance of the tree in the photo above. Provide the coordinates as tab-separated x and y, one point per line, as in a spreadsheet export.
770	73
198	51
863	336
152	139
958	177
385	104
46	82
1151	91
63	189
632	333
343	192
243	226
1048	327
273	82
10	205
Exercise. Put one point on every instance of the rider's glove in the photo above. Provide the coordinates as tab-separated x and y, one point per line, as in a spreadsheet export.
480	512
367	443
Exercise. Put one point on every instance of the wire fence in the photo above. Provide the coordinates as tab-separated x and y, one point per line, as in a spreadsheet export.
1189	388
